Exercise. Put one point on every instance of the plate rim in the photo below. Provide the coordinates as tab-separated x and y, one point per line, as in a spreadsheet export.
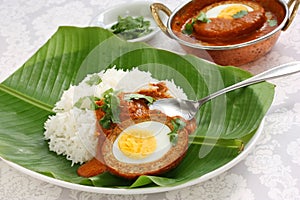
105	190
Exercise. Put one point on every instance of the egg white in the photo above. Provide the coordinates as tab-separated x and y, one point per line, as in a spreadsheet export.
215	11
160	132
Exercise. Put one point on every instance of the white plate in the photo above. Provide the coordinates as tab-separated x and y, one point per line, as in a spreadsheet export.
109	17
203	178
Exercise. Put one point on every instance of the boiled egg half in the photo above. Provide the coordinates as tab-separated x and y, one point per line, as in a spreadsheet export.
226	9
143	142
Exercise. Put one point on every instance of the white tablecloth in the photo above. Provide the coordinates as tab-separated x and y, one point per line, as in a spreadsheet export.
270	171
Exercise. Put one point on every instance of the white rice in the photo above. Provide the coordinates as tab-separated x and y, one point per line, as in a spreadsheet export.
71	132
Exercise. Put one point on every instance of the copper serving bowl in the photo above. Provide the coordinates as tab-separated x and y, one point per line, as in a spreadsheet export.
232	54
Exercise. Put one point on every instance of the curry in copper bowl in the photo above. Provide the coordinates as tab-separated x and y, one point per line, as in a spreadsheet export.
227	32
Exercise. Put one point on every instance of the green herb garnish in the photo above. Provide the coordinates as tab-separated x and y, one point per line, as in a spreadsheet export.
203	18
130	28
272	22
88	102
129	97
240	14
94	80
111	107
189	27
178	124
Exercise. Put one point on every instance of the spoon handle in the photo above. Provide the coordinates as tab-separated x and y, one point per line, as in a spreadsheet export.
282	70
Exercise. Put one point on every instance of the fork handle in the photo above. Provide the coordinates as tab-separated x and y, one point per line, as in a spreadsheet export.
281	70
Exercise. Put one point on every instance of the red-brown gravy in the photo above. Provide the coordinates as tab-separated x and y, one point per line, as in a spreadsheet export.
221	31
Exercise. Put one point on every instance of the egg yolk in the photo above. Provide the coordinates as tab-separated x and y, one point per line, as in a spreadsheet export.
137	144
231	10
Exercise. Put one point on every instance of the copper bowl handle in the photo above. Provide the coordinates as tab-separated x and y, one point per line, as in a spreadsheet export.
292	4
155	8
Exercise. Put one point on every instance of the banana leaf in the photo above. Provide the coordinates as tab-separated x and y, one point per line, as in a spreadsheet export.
28	96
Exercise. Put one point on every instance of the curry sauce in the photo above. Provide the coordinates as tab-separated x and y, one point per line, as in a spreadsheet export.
132	112
220	31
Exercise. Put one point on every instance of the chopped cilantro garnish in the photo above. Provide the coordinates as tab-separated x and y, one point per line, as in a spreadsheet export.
178	124
130	28
129	97
87	102
203	18
240	14
111	108
189	27
272	22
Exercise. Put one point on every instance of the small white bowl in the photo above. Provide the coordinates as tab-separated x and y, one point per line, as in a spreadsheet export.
135	9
